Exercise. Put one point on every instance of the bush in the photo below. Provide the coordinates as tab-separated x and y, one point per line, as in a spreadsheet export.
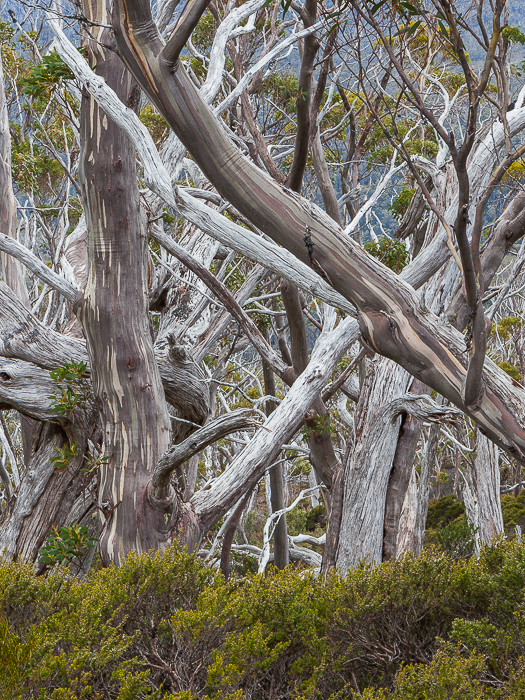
165	627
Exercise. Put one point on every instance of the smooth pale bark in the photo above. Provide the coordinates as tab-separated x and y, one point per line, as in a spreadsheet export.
221	493
400	477
485	510
323	178
369	468
114	316
390	318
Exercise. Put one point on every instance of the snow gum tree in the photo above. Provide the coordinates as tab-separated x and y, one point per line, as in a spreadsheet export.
194	288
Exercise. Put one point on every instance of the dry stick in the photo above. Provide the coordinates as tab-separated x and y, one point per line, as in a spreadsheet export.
338	383
17	250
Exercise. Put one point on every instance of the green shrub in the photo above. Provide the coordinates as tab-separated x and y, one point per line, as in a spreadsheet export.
513	510
165	627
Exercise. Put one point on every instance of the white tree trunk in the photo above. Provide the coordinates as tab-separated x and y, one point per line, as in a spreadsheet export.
484	512
407	521
366	480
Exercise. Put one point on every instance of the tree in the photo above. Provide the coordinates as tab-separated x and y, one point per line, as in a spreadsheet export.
113	391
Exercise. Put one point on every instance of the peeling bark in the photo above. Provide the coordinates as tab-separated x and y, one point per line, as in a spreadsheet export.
390	318
113	313
486	491
366	478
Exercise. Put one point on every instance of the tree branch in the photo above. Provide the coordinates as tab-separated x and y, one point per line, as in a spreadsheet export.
211	502
222	292
216	430
26	257
183	30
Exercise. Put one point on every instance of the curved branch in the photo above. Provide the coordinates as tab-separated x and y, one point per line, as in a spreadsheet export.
222	292
183	30
24	337
176	455
211	502
26	257
391	319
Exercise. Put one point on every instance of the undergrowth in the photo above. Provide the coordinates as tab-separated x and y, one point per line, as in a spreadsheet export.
165	627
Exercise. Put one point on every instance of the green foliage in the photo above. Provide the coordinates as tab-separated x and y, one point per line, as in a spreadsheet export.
62	460
316	517
448	676
46	75
506	326
457	538
94	463
32	168
296	520
65	544
510	370
282	89
7	32
155	123
448	527
164	626
401	202
389	251
513	510
316	425
202	36
443	511
513	35
72	387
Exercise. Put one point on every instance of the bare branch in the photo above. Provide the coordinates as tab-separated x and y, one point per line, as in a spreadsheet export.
178	454
26	257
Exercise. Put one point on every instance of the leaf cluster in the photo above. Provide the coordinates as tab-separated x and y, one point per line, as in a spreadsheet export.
65	544
389	251
72	387
46	75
